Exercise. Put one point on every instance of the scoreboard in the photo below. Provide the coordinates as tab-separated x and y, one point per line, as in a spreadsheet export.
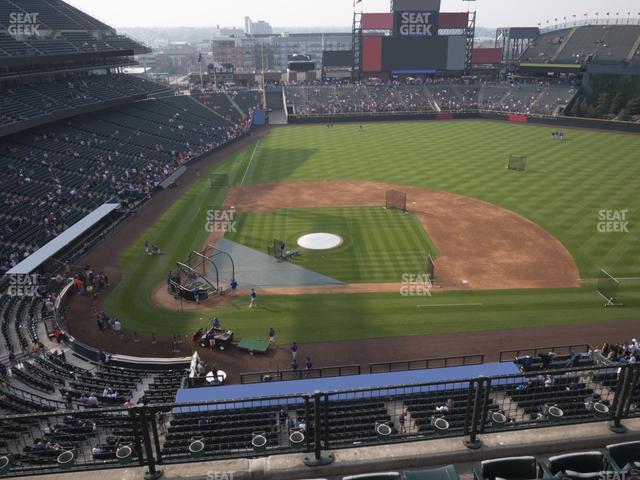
419	39
414	54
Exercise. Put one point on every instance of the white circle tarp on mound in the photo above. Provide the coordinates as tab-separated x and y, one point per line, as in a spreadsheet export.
320	241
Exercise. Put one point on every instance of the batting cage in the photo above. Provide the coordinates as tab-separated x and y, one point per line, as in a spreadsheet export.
396	200
214	265
517	163
608	289
186	281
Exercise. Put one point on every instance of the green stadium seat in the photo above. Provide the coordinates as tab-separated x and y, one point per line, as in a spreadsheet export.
447	472
624	457
508	468
584	465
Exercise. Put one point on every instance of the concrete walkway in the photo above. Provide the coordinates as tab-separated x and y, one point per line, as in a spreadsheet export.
539	442
254	269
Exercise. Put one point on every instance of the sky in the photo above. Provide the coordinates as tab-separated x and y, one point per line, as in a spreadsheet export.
334	13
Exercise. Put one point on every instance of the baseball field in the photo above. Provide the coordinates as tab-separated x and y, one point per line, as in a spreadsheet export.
571	214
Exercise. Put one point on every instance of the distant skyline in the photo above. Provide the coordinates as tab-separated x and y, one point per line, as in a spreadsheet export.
332	13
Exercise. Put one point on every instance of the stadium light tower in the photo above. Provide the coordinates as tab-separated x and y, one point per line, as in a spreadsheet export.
468	6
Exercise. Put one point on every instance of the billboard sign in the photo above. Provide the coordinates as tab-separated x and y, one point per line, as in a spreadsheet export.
416	24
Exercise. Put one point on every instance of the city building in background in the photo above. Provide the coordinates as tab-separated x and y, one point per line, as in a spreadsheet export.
257	28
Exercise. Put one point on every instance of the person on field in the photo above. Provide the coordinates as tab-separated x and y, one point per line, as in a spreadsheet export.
196	294
308	365
272	335
294	350
253	302
234	286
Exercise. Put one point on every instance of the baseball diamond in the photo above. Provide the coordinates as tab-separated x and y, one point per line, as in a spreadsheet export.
483	233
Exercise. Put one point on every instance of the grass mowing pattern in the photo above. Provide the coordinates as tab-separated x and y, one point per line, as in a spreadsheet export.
565	187
379	245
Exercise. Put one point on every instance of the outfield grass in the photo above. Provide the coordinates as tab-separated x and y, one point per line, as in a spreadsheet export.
378	245
565	188
566	184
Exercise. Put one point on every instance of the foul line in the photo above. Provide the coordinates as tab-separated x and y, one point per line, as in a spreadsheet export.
250	161
451	305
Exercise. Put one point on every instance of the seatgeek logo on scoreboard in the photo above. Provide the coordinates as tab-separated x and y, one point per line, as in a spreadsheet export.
418	24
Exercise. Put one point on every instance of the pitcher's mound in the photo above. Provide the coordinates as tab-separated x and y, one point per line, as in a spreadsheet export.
320	241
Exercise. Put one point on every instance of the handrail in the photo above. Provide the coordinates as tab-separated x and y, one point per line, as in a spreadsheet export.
510	355
427	363
284	375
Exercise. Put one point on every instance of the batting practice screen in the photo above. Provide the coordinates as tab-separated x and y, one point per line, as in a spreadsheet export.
396	199
608	288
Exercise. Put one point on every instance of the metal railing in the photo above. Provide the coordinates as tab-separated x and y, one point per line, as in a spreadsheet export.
427	363
283	375
572	21
165	434
510	355
347	370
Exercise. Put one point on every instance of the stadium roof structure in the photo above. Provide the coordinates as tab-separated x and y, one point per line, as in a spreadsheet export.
53	28
67	237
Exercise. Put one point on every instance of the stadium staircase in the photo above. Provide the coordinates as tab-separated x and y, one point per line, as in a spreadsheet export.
235	105
563	44
635	50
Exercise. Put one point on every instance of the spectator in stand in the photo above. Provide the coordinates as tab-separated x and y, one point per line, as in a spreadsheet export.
91	401
68	401
401	421
108	392
117	326
549	381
